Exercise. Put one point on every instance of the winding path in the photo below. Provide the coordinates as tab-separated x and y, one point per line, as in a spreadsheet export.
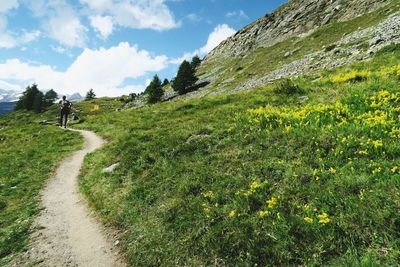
67	235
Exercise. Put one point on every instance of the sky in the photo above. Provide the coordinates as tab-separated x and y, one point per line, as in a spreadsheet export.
112	46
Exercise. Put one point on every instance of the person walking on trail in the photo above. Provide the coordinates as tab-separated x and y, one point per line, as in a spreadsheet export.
65	108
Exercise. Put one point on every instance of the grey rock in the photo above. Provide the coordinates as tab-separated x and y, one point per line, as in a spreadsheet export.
111	168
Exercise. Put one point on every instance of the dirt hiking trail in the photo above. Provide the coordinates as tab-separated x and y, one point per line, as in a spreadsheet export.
66	234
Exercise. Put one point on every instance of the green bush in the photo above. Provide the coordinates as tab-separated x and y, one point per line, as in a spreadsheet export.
288	87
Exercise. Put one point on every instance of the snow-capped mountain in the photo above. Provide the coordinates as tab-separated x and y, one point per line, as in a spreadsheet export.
9	95
75	97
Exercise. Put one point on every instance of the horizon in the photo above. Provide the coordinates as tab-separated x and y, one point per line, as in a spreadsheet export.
113	47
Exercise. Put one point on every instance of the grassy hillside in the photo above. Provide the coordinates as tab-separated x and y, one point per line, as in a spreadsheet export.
265	177
29	153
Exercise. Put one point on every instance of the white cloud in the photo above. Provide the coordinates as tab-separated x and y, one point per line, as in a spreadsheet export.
137	14
133	89
60	21
10	87
63	21
6	5
104	70
219	34
10	40
104	25
237	14
28	37
193	17
58	49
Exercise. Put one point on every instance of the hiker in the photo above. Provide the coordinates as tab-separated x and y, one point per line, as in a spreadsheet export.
65	108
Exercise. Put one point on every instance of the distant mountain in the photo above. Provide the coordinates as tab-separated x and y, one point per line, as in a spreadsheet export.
75	97
6	107
8	95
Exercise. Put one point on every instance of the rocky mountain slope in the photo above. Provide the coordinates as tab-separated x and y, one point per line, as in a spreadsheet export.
294	19
296	39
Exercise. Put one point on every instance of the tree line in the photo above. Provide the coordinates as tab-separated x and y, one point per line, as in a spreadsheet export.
183	82
32	99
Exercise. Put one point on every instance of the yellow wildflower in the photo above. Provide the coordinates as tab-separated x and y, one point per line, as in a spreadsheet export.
377	170
288	128
377	143
308	220
209	195
263	213
323	218
254	185
232	214
272	202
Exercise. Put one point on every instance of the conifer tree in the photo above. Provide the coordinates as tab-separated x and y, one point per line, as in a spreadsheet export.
154	90
49	98
165	82
90	95
195	62
26	101
185	78
38	103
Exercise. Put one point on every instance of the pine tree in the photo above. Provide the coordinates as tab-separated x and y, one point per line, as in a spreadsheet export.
49	98
195	62
185	78
26	101
38	103
154	90
90	95
165	82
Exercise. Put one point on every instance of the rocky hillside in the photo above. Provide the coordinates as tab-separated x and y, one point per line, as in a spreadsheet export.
294	19
298	38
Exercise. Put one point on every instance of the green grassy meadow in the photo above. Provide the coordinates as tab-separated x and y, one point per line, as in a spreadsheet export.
301	173
259	177
29	154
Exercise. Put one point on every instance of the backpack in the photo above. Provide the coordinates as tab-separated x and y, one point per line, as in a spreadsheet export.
65	105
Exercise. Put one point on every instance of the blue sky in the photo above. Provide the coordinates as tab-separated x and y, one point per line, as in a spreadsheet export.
112	46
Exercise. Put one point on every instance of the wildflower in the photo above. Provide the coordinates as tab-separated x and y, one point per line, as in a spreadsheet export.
394	169
263	213
288	128
361	195
206	210
363	152
272	202
232	214
209	195
332	170
377	170
254	185
308	220
323	218
377	143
